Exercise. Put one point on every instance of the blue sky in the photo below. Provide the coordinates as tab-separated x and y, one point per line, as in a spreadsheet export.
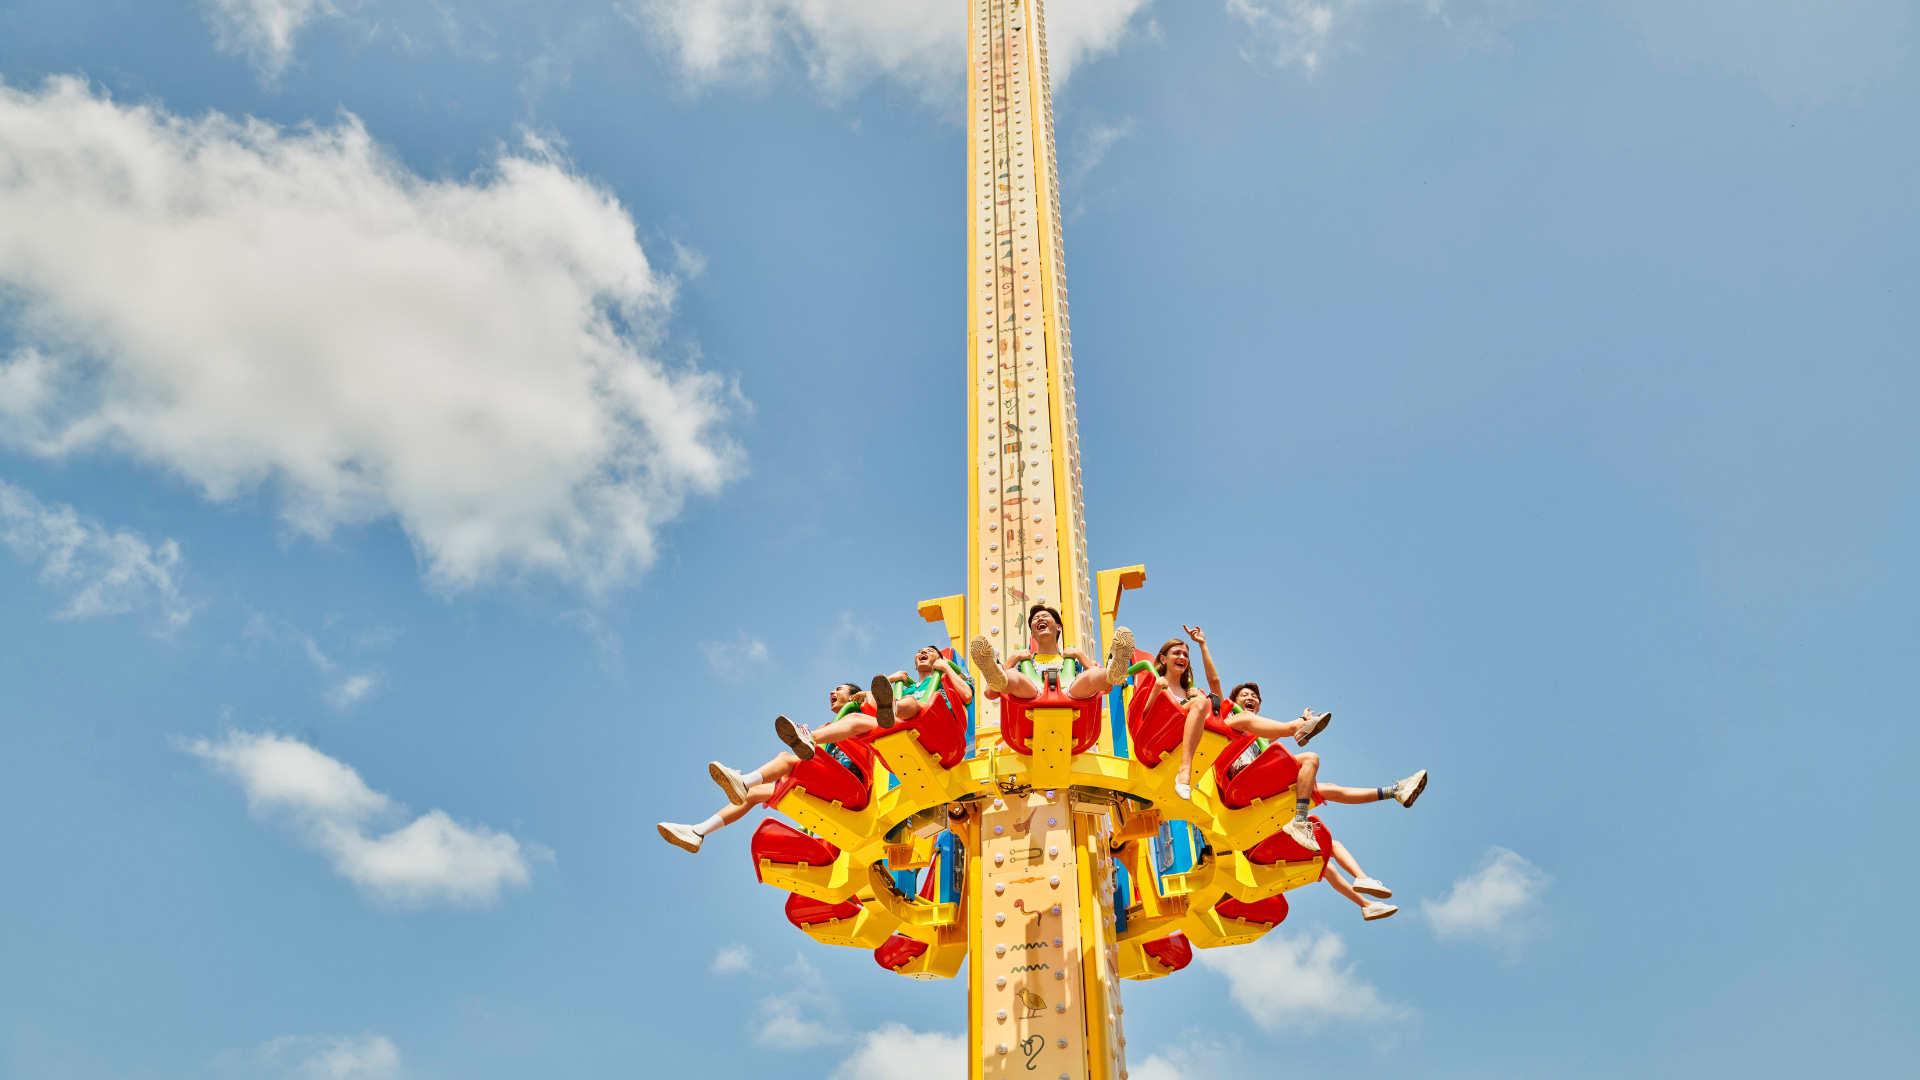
404	494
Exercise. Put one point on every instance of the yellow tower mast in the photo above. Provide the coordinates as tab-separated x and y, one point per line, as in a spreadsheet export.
1043	998
1023	840
1026	533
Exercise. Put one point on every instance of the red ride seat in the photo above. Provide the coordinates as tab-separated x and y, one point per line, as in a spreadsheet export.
1272	910
1016	718
804	912
1273	772
1173	951
941	727
1155	725
782	843
823	777
1281	848
897	950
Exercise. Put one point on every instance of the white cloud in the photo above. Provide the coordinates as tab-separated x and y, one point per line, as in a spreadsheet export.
1094	145
921	43
315	1057
895	1050
805	1015
1311	34
1499	905
433	859
737	659
732	959
262	30
246	306
102	572
345	688
1299	984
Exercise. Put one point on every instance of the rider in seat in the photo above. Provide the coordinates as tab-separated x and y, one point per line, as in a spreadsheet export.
901	696
748	790
1046	662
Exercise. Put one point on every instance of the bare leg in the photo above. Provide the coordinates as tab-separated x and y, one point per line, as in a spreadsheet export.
1198	706
1261	727
1350	795
1309	768
1020	686
1340	886
756	795
1090	683
906	708
856	724
776	769
1346	860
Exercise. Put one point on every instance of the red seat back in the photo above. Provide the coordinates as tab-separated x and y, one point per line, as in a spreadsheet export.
941	727
783	843
897	950
1155	725
1273	772
803	911
1281	848
1272	910
1173	951
1016	719
823	777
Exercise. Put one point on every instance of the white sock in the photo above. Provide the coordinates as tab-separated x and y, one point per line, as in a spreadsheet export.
750	778
708	825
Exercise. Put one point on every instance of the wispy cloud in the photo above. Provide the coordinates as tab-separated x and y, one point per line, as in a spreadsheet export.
1299	984
738	659
102	571
732	959
314	1057
1312	35
1499	905
263	31
254	308
432	859
921	43
345	686
894	1050
1095	143
804	1015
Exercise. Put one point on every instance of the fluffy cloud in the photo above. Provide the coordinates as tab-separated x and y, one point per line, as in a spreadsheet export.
1499	905
432	859
102	571
1299	983
244	305
844	42
314	1057
896	1050
1310	34
262	30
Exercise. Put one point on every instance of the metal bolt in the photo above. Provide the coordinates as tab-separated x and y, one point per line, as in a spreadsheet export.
1001	1015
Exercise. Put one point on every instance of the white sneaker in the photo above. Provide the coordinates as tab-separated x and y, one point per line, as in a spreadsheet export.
1377	911
980	651
796	736
1315	725
730	781
1183	788
1367	886
680	836
1301	830
1120	657
1409	789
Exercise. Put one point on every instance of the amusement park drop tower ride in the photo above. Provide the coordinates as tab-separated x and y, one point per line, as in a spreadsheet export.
1058	858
